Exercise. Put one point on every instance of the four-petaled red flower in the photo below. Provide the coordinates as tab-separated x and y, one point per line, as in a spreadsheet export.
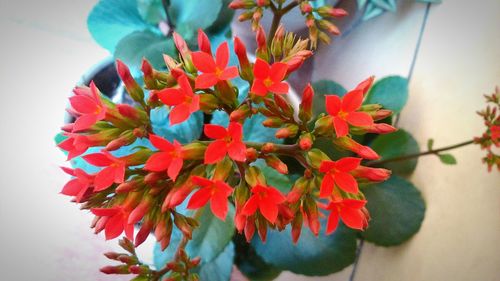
351	211
227	141
212	70
79	185
269	78
338	173
344	112
266	199
169	158
87	104
116	221
216	191
113	173
75	145
183	100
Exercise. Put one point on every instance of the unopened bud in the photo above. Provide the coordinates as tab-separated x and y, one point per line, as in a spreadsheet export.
316	157
297	227
260	37
193	151
127	186
204	42
330	12
268	147
240	113
351	145
274	162
305	7
329	27
371	174
241	4
305	108
273	122
139	269
306	141
135	91
289	131
365	85
118	269
147	70
251	154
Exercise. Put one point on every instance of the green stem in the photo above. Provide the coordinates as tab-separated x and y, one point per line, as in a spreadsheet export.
166	4
278	13
416	155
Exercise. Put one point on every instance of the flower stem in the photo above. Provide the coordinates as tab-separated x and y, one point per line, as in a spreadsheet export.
166	4
416	155
278	13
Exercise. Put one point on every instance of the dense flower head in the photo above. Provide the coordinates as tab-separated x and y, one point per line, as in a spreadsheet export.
491	137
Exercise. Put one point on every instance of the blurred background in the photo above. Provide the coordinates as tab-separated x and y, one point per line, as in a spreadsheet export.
450	53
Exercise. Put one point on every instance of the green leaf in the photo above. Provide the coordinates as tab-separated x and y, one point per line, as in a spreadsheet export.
372	11
447	159
111	20
391	92
397	144
151	11
430	143
210	239
397	211
282	182
190	15
144	44
388	5
219	268
322	88
251	264
184	132
312	256
224	19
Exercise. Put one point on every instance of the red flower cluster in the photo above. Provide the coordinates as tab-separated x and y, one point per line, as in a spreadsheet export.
491	137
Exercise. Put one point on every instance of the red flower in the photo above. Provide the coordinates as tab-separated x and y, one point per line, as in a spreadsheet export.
116	221
183	100
113	173
88	105
73	145
266	199
351	211
216	191
168	159
337	173
79	185
344	112
212	70
269	78
495	134
227	141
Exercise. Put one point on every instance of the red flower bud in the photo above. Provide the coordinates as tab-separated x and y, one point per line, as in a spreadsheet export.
305	108
305	142
306	8
135	91
251	154
119	269
363	151
249	229
204	42
275	163
371	174
297	227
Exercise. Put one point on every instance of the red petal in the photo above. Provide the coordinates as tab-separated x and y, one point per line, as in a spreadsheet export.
179	114
250	206
333	104
114	227
223	188
171	96
237	151
203	62
218	205
365	85
353	218
269	210
222	55
326	186
278	71
348	164
214	131
275	195
235	130
158	162
215	151
68	171
84	122
352	101
326	166
119	173
346	182
104	212
259	88
72	187
229	73
204	42
199	198
279	88
98	159
160	143
333	222
359	119
104	178
201	181
261	69
195	104
341	127
175	168
129	231
354	204
83	104
206	80
185	86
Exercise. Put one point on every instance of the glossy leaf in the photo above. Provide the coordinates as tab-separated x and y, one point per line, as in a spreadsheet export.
397	144
312	256
151	11
397	210
220	267
391	92
251	264
184	132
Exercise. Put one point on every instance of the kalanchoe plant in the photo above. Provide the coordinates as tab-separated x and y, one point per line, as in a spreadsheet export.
491	138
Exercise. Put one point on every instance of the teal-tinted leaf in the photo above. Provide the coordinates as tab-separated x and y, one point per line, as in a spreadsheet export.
151	11
144	44
224	19
372	11
273	178
397	211
184	132
447	159
322	88
59	138
361	4
190	15
111	20
388	5
313	256
391	92
220	267
251	264
397	144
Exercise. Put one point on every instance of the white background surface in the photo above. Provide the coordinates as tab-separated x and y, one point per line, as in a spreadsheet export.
45	47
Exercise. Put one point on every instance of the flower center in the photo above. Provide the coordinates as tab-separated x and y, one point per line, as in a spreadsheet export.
218	71
342	114
268	82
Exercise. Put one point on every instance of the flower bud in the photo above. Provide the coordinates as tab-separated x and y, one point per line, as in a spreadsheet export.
274	162
256	17
143	233
284	105
127	186
330	12
193	151
381	128
297	227
112	255
182	224
118	269
268	147
249	229
297	191
277	43
324	126
223	169
371	174
297	60
240	113
138	213
208	103
365	85
305	7
306	141
153	177
128	259
126	138
262	228
315	157
251	154
127	245
241	4
246	71
139	269
262	3
260	37
289	131
253	176
272	122
312	215
329	27
351	145
185	53
147	70
245	16
305	108
135	91
381	114
204	42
